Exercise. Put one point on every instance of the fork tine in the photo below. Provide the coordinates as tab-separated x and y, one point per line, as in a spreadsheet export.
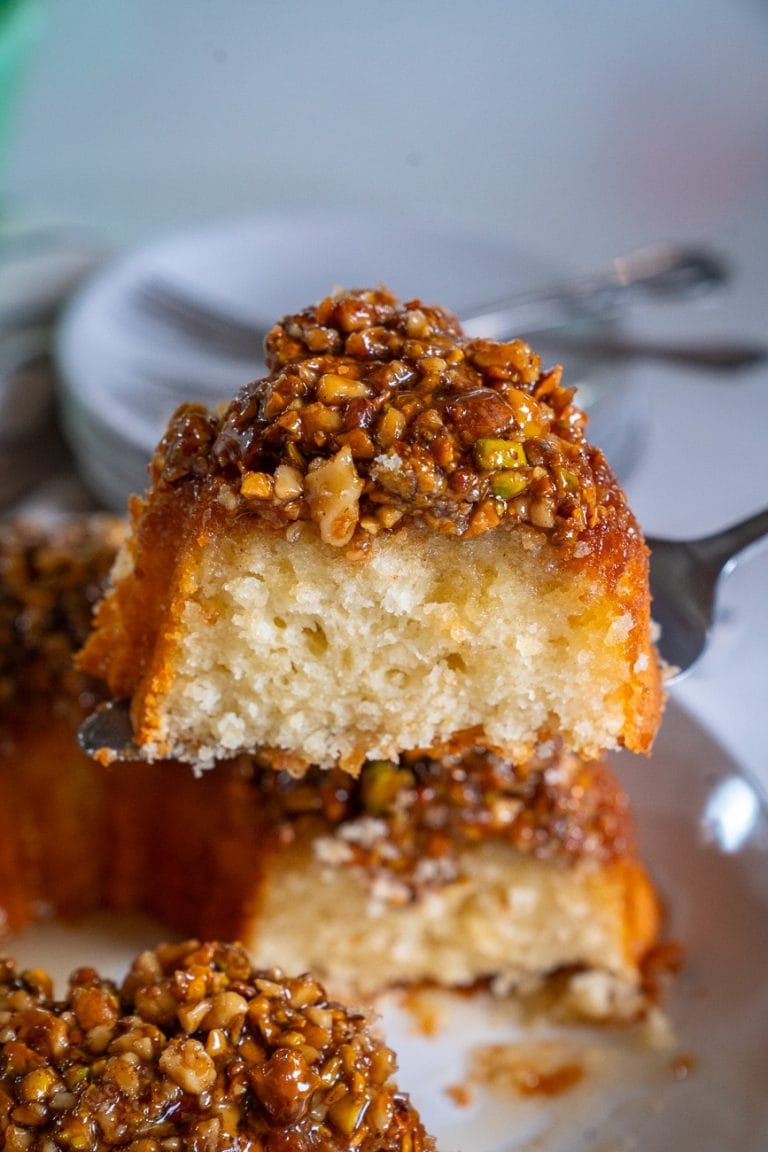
685	575
199	321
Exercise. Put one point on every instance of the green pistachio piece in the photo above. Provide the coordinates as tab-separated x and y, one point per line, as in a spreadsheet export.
491	454
508	484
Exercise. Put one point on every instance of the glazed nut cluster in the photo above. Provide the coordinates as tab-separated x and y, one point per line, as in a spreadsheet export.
377	414
196	1051
49	584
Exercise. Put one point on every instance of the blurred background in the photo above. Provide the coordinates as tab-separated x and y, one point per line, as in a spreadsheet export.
551	137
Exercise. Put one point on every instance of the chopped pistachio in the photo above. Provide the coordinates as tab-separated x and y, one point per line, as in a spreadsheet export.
491	454
382	781
508	484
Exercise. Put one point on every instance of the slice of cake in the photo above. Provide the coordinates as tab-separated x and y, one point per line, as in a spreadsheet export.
399	538
196	1050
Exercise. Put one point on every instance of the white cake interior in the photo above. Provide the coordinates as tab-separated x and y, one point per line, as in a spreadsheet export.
293	645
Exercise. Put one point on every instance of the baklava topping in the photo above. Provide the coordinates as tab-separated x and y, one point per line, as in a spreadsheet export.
196	1051
377	414
410	820
50	582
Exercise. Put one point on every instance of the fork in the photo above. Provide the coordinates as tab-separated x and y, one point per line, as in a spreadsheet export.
663	272
684	579
685	575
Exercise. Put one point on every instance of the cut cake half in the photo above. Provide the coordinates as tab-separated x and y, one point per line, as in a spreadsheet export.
455	867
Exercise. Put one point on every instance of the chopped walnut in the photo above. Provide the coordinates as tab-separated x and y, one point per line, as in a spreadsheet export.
333	490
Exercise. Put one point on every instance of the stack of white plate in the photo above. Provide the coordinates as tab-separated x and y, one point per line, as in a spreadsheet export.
124	368
38	270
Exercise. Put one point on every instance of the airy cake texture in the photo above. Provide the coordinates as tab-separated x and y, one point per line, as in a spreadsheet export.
506	918
398	538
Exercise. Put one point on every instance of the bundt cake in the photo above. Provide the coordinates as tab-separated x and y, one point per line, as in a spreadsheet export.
399	538
454	866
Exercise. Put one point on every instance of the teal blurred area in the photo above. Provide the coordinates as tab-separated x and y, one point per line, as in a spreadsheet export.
21	22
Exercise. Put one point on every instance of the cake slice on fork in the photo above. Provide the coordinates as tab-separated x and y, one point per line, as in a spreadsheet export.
398	538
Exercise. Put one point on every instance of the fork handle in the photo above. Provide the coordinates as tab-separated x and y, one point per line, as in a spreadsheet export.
666	272
722	548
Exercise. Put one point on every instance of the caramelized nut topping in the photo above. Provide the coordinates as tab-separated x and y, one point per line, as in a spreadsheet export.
411	819
49	585
267	1064
457	435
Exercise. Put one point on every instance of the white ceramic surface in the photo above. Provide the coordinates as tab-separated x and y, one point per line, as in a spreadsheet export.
704	834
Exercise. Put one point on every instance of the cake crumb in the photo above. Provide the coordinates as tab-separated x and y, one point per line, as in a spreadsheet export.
423	1010
460	1095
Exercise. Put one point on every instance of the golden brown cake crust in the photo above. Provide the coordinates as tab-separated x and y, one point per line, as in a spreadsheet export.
199	1046
80	836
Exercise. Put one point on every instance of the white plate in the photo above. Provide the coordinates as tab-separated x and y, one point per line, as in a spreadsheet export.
704	834
124	373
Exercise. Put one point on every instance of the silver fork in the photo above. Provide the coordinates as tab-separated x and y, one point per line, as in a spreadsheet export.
684	578
662	272
685	575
